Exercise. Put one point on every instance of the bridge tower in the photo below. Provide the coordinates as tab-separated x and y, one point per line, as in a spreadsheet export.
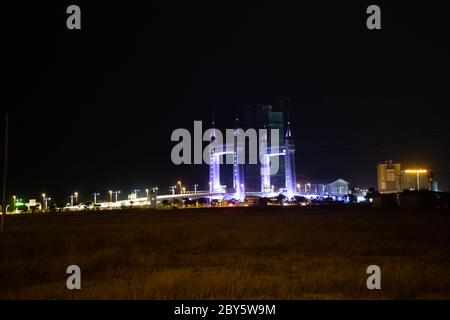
238	165
264	152
214	164
289	160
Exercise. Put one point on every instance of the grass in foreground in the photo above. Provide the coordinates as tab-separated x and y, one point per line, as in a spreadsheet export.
305	253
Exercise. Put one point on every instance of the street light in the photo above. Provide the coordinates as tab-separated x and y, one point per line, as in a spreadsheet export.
184	190
155	191
179	183
76	197
136	193
147	191
195	188
116	193
95	194
172	188
44	201
14	201
298	187
110	195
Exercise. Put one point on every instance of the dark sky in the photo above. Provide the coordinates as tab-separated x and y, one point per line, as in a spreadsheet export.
93	109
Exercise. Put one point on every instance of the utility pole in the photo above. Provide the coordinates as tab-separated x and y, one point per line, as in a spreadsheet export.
5	171
155	192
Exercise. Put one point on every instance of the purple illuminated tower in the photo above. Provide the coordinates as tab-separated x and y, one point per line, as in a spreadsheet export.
214	166
264	154
238	165
289	160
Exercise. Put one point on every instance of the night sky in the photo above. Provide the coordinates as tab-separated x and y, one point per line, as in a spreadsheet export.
93	109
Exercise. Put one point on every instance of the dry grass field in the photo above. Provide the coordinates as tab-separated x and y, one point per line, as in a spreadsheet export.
304	253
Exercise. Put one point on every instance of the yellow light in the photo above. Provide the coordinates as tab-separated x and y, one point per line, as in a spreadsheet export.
416	171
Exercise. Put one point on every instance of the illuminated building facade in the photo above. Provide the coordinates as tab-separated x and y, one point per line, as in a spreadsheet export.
389	177
417	179
392	179
335	188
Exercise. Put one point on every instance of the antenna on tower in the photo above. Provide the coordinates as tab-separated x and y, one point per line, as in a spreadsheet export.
213	132
288	115
236	123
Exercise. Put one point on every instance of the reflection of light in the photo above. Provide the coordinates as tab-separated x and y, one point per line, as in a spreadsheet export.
416	171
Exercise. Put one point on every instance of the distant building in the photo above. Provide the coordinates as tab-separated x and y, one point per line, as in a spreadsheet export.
417	179
389	177
392	179
339	187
